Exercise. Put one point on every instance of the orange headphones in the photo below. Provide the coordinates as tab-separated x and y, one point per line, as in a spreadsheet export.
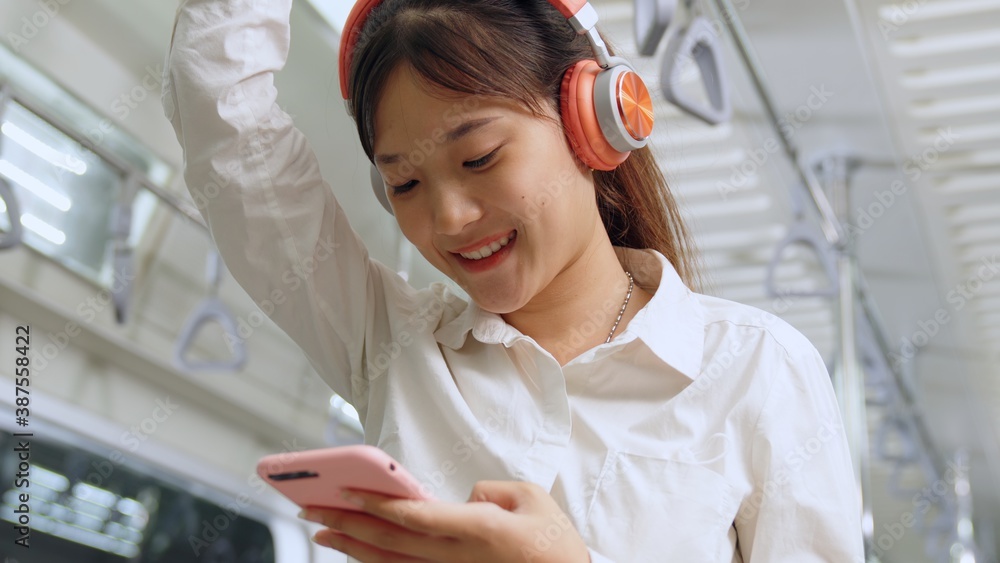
606	109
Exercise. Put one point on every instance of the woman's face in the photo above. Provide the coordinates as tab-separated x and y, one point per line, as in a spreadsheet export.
510	172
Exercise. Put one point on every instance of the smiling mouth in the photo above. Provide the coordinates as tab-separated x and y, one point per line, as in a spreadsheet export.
488	250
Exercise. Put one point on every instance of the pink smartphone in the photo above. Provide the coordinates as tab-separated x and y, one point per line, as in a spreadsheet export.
316	477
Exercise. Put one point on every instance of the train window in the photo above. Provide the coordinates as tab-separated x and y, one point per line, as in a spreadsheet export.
66	192
89	508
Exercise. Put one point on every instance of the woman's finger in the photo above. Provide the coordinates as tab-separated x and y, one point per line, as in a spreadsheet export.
375	531
437	518
360	550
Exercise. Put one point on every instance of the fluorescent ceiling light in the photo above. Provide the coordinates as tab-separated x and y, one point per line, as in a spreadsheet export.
64	522
76	534
974	133
959	183
928	45
936	10
987	303
971	213
335	12
972	257
958	76
132	508
731	208
990	319
680	135
95	495
983	232
43	150
724	240
712	188
34	185
722	160
43	229
50	479
936	109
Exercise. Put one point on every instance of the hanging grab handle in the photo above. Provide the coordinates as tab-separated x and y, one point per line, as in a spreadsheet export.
803	232
652	18
12	237
211	309
699	43
121	260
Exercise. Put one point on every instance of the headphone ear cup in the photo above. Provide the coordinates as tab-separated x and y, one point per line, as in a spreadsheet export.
579	115
378	186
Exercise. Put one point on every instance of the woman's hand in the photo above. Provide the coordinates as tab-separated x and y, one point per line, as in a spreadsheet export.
503	521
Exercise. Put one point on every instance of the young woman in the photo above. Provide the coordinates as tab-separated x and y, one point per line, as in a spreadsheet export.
585	403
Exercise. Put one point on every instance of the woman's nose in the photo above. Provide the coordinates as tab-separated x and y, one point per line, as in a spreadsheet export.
452	209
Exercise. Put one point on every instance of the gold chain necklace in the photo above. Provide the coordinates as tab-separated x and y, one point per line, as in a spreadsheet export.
622	312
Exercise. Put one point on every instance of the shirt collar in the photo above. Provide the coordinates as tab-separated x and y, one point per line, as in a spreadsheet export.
671	325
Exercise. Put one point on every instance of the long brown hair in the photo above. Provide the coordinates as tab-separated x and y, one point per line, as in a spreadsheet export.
513	49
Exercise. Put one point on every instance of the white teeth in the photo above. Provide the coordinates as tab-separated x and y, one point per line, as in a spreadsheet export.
488	250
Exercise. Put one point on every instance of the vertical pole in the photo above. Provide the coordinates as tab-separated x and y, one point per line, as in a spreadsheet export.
848	378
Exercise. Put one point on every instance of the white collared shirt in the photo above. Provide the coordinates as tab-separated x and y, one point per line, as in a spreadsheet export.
705	431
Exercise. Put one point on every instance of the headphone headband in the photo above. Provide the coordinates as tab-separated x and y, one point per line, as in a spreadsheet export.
580	14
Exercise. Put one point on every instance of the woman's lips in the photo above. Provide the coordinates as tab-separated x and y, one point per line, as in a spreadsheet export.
490	261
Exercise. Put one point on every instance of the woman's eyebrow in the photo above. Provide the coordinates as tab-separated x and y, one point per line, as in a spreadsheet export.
450	137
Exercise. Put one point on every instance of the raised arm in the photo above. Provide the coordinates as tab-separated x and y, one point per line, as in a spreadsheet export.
257	183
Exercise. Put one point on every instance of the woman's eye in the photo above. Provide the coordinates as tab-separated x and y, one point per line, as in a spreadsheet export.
397	190
482	161
478	163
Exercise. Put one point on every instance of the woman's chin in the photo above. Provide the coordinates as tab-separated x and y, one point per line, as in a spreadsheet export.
495	303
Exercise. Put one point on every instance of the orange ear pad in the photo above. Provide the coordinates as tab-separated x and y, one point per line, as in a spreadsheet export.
580	118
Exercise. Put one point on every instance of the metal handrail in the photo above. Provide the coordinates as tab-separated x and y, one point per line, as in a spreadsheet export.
211	307
834	231
850	384
125	168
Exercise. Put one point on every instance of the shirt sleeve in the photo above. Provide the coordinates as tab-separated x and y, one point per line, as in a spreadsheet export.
805	505
256	181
